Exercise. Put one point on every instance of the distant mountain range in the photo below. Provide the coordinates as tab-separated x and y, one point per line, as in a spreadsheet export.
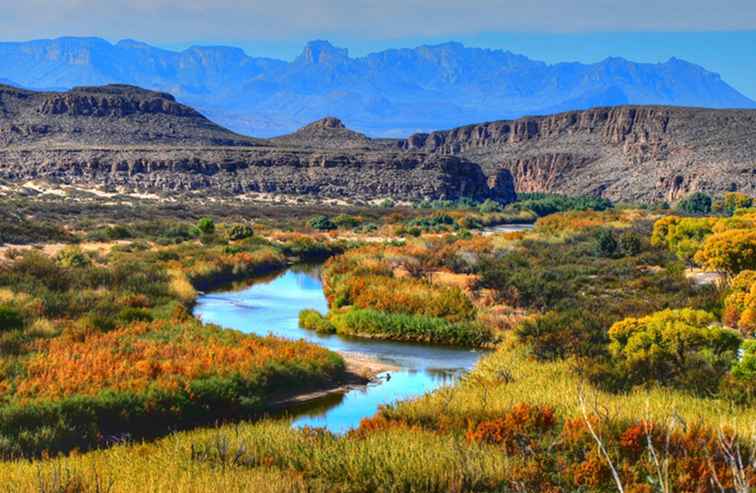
390	93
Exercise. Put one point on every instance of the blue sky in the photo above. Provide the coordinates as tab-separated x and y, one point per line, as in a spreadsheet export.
720	36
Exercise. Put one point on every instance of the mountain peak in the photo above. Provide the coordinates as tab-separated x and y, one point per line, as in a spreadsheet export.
322	52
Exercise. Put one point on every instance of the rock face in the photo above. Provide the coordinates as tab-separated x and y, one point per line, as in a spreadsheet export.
129	139
108	115
634	153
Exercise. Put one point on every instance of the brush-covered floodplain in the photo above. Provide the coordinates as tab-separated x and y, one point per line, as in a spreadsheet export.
602	348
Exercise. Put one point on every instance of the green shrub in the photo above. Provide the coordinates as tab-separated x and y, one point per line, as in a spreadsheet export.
697	203
73	257
630	243
321	223
488	206
346	221
206	226
314	320
240	232
406	327
559	334
606	244
10	319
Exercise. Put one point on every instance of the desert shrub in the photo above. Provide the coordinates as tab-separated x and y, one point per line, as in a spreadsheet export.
314	320
73	257
558	334
239	232
630	243
321	223
400	295
684	347
206	226
606	243
346	221
517	430
572	221
697	203
489	206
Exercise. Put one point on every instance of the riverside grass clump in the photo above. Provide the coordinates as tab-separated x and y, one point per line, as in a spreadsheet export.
102	350
387	292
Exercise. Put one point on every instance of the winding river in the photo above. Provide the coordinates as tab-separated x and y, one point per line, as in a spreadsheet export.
272	306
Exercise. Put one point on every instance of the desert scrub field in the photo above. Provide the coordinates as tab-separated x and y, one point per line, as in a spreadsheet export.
101	347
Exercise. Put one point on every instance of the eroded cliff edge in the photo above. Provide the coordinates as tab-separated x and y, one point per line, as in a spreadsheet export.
634	153
132	140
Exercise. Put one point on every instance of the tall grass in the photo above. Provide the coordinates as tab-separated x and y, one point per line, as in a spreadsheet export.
409	327
509	376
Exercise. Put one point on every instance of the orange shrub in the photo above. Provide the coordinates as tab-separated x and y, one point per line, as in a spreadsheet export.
159	354
518	427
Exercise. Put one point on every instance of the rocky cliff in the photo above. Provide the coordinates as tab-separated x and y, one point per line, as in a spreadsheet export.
128	139
642	153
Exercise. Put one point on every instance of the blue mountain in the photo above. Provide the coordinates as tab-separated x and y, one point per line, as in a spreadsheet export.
390	93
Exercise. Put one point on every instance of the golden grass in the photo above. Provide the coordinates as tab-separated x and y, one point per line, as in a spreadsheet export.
485	391
159	467
270	457
181	286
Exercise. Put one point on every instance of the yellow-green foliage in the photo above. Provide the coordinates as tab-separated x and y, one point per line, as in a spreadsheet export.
684	346
740	304
729	251
682	235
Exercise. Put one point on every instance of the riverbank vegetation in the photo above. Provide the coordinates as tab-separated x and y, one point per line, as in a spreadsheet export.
97	347
613	366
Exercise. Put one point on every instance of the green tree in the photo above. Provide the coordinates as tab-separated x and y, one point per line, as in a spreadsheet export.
697	203
736	200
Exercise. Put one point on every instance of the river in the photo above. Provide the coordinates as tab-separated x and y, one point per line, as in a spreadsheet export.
272	306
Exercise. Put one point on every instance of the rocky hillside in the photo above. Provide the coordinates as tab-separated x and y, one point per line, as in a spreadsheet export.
132	140
637	153
109	115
